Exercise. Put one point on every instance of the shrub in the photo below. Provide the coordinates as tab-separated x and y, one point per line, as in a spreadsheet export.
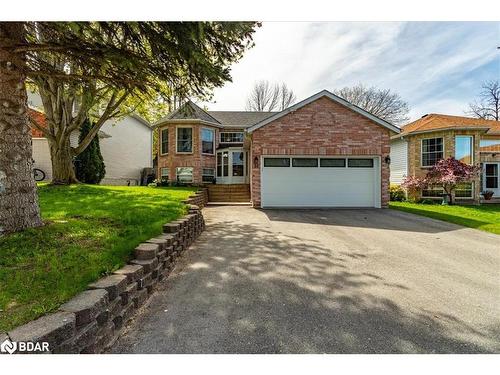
89	165
396	193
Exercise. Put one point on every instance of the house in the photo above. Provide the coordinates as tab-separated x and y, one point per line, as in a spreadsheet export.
126	147
321	152
433	137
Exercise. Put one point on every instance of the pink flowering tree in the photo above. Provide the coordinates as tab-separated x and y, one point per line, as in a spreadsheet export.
447	173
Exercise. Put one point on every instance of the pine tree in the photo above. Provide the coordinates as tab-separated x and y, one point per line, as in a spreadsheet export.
89	165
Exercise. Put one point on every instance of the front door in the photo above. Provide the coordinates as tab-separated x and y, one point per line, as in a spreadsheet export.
491	178
232	166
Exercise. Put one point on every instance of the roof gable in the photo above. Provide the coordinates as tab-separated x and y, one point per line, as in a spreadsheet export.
333	97
190	111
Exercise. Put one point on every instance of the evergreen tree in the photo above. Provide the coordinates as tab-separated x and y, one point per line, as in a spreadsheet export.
89	165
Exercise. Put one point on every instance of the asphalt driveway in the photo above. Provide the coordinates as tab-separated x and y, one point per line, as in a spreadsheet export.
326	281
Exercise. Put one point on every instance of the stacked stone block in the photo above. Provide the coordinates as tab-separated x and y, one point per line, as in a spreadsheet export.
91	321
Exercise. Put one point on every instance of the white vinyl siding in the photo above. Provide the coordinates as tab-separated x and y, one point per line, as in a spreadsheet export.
399	161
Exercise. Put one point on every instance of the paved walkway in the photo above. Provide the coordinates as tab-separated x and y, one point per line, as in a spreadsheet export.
329	281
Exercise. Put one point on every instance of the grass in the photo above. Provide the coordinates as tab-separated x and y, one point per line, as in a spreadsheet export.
89	231
485	217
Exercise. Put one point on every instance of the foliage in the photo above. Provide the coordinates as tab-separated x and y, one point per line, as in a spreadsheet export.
382	103
396	193
110	69
447	173
89	165
42	268
485	217
487	106
267	97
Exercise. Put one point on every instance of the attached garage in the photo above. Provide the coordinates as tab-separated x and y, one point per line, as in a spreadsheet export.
305	181
320	152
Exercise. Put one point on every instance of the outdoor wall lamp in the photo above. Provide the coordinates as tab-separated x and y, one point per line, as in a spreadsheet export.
256	162
387	159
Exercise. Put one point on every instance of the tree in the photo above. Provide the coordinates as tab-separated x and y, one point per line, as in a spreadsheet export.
89	165
487	106
18	197
83	69
447	173
382	103
267	97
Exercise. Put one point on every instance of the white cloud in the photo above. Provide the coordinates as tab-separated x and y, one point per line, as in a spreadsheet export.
436	67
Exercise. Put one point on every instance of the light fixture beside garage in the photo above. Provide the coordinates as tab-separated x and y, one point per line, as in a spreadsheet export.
256	162
387	159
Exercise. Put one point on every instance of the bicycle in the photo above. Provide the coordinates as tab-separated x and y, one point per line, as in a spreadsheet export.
38	174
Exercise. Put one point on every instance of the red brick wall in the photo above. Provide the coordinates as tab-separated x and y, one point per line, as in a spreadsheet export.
172	160
322	127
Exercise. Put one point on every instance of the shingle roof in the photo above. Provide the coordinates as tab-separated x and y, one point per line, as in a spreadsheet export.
240	118
189	110
434	121
38	118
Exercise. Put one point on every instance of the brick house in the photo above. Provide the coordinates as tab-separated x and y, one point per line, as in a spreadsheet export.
321	152
433	137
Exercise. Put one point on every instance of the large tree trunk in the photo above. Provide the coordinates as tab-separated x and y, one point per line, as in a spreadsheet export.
18	193
63	171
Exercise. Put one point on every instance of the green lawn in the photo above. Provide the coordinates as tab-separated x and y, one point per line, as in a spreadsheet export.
485	217
89	231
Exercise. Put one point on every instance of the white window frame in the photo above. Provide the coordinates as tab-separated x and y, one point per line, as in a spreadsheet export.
203	174
185	182
163	169
161	140
422	151
234	132
177	139
213	141
471	146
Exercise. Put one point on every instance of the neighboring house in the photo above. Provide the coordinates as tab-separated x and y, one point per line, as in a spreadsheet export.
433	137
126	147
321	152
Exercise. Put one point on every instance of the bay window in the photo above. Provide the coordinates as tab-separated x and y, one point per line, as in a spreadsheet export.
464	148
207	141
432	151
184	140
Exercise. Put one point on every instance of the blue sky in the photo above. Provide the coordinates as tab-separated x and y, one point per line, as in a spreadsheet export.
437	67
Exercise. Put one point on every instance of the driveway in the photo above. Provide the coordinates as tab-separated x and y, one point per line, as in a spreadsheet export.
326	281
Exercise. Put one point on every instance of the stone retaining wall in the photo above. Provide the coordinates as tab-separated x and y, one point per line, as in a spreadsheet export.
92	320
200	198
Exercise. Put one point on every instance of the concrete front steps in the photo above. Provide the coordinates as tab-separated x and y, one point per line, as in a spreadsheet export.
229	193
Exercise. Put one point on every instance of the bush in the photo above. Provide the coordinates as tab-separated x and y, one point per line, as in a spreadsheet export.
396	193
89	165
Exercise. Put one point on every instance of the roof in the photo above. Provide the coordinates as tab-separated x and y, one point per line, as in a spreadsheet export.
239	118
435	122
331	96
190	111
39	119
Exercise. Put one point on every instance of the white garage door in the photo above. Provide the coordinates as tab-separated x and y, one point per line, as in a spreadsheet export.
320	181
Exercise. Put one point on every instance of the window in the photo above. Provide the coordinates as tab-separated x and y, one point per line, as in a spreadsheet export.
184	174
461	191
491	174
185	140
222	164
360	163
164	141
276	162
332	163
231	137
432	151
464	148
207	141
304	162
489	145
164	172
208	175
